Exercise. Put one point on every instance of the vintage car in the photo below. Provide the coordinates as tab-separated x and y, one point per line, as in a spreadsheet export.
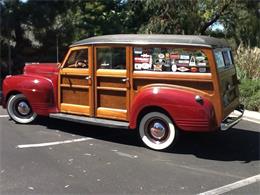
159	85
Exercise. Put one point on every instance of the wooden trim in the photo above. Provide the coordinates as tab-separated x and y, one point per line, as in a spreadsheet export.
111	88
91	81
111	73
172	76
103	112
75	71
75	86
75	109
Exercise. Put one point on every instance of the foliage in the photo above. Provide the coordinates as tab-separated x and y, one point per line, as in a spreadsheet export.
247	61
250	94
183	17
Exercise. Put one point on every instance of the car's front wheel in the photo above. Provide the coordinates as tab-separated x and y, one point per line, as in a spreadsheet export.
20	110
157	131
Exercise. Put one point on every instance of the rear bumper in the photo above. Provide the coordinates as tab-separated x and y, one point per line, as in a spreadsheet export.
229	121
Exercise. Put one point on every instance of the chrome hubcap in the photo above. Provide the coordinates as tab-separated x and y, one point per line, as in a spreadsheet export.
157	130
23	108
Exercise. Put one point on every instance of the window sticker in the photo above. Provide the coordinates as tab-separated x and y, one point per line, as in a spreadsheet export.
184	57
202	70
192	61
170	60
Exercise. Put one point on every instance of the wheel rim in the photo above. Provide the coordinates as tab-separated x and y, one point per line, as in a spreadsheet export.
157	130
23	108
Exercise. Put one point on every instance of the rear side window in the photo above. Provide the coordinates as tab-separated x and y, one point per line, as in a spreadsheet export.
166	59
223	58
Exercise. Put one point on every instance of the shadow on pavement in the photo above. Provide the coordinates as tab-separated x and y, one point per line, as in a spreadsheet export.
233	145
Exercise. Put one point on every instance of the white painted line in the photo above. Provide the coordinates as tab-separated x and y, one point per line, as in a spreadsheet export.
125	154
233	186
4	116
53	143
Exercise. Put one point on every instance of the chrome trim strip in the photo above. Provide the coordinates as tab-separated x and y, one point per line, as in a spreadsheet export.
229	122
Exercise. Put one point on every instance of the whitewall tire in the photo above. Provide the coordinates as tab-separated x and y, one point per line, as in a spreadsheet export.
20	110
157	131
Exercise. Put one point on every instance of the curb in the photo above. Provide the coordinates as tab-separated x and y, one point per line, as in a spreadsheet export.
253	115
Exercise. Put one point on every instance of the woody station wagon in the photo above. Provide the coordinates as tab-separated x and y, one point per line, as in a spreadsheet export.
157	84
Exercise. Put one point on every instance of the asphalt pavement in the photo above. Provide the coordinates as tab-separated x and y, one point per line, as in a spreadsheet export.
58	157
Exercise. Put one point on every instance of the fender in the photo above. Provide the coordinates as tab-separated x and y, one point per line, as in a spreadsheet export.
180	104
39	91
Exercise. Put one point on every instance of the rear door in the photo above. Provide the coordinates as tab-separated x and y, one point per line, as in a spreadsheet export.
227	79
75	82
112	88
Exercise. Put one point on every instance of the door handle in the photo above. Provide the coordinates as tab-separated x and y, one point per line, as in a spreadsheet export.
89	80
125	80
88	77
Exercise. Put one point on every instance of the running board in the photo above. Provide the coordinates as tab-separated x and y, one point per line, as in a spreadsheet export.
90	120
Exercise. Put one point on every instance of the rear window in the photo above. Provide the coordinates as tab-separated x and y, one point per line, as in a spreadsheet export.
223	58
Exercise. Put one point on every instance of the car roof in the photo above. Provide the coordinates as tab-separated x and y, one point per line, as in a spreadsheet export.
154	39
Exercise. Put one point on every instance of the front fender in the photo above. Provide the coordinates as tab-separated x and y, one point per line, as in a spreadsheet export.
179	102
38	91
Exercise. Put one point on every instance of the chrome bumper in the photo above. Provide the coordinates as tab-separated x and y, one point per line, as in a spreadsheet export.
229	122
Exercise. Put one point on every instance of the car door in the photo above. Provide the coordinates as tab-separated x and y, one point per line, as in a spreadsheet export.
75	82
112	88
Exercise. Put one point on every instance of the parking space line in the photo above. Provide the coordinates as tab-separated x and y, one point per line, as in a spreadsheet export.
4	116
233	186
53	143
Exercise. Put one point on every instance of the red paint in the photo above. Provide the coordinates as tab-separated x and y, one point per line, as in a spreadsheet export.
39	84
181	106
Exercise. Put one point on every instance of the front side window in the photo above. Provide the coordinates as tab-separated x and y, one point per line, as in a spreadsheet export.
77	59
111	58
170	60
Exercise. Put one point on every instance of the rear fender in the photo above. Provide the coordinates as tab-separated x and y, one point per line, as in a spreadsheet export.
38	90
179	102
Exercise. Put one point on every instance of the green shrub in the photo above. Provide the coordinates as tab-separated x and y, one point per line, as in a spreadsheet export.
247	61
250	94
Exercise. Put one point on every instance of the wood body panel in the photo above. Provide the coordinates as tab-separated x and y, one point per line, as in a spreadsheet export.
114	113
111	99
75	109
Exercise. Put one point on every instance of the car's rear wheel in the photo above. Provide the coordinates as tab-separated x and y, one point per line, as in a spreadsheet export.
157	131
20	110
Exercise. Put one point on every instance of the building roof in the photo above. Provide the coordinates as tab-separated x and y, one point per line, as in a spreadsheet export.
154	39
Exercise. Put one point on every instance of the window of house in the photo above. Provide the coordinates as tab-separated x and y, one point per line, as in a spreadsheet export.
111	58
170	60
77	59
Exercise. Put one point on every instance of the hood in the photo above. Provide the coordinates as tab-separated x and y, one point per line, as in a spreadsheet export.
41	68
